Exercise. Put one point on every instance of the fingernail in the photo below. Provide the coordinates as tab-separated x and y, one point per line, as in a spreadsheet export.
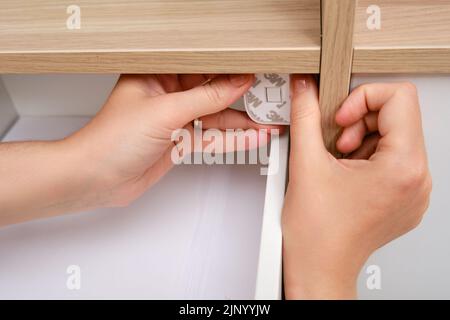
300	85
238	80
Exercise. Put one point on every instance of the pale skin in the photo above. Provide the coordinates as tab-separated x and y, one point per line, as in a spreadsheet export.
123	151
336	212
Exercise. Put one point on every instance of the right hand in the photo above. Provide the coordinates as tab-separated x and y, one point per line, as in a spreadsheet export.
338	211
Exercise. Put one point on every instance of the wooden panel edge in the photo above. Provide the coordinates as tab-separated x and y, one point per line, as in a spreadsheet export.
233	61
401	60
8	113
336	64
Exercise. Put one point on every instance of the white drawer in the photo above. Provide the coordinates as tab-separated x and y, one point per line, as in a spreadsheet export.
201	232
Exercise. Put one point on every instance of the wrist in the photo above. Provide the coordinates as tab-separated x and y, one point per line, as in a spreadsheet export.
320	273
320	286
86	185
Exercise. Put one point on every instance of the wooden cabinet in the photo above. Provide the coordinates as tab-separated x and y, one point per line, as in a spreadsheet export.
158	36
227	244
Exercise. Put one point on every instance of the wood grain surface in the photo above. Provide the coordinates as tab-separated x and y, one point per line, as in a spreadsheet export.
161	36
414	37
336	63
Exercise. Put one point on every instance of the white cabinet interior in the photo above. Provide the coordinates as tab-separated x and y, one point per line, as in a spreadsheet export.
416	266
196	234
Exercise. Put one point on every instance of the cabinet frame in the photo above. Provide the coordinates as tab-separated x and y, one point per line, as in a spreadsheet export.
338	54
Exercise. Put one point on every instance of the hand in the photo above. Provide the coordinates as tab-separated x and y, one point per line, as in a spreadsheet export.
337	212
129	141
124	150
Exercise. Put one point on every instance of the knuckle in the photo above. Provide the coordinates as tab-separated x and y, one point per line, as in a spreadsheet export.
354	109
416	222
426	203
214	93
408	87
360	88
417	217
420	214
412	177
428	185
364	89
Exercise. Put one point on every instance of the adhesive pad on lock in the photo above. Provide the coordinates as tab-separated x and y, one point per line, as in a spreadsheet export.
267	101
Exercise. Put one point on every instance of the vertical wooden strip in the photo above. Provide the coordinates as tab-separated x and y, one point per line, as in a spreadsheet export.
336	62
8	113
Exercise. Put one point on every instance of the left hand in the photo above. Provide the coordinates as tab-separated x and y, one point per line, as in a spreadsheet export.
128	143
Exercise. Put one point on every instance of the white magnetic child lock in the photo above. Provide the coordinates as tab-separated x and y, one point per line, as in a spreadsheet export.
267	101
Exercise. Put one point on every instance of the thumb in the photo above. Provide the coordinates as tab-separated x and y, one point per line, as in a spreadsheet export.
306	131
211	97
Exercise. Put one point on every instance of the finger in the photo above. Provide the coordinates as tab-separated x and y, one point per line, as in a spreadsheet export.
306	131
218	141
367	148
236	140
169	82
212	97
232	119
146	85
362	100
137	86
399	120
352	136
371	121
189	81
159	84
